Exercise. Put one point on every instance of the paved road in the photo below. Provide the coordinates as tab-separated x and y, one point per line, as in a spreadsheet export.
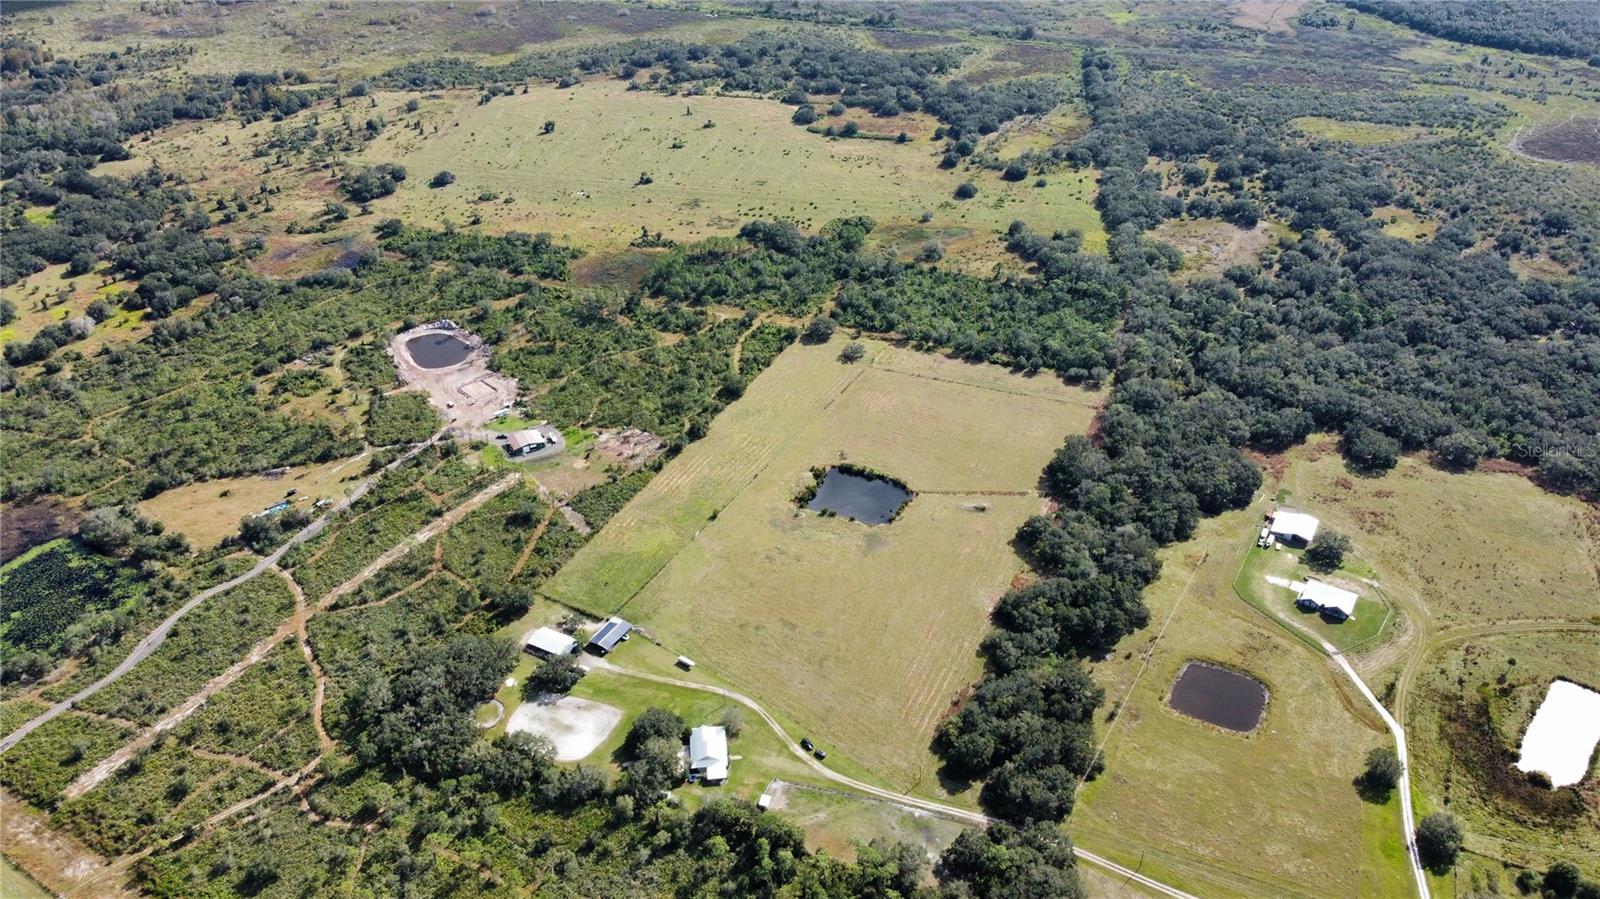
153	640
911	802
1406	815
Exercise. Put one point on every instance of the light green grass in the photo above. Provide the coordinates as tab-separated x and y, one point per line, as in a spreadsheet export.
860	636
1357	132
579	183
16	884
834	823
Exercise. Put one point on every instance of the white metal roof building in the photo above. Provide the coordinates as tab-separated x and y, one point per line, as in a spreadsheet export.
526	440
549	642
1334	600
1289	524
708	753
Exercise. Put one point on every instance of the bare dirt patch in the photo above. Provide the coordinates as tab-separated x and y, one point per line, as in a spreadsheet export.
577	727
1209	246
26	526
1267	15
1575	140
467	394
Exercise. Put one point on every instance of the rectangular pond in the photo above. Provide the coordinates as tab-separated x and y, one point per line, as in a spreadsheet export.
1218	696
866	499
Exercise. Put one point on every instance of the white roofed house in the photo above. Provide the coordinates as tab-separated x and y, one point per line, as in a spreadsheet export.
708	754
1293	527
1335	602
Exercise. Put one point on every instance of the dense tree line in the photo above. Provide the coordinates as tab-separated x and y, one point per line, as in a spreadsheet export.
515	253
1551	27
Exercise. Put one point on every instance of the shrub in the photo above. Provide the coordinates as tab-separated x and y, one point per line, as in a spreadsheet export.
1383	771
1439	840
444	178
819	330
966	191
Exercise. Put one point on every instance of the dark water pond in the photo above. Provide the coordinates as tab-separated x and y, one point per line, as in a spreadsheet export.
1222	697
437	350
867	500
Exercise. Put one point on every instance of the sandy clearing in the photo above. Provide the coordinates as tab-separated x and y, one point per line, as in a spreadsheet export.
577	727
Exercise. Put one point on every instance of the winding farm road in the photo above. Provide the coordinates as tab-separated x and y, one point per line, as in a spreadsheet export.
900	799
153	640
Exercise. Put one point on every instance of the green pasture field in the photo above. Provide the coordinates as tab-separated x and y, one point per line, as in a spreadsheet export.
860	636
1506	820
579	182
1295	823
1469	550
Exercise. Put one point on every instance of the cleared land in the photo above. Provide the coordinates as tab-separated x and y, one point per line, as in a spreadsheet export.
835	822
576	726
1357	132
579	182
209	511
859	636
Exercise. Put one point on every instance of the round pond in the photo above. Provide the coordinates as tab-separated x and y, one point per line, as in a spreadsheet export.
1228	699
437	350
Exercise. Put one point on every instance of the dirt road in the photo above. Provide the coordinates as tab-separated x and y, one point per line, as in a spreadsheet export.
153	640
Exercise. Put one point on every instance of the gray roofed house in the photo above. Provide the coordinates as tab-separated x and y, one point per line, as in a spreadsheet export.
609	635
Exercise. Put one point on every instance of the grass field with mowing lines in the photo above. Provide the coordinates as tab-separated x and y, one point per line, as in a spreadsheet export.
861	636
578	183
1360	633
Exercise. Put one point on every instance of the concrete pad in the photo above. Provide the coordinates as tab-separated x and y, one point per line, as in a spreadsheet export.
577	727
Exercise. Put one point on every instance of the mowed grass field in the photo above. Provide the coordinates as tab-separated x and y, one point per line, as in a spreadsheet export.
1295	825
579	182
859	636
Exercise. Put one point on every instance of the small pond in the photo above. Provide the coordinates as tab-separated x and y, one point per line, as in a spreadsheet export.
866	499
437	350
1225	698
